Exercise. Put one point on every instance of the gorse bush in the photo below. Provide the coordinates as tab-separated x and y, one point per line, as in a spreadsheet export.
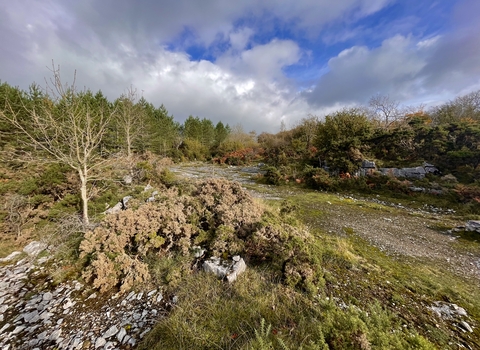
216	214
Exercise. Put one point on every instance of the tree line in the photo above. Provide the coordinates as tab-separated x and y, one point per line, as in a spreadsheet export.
447	136
83	130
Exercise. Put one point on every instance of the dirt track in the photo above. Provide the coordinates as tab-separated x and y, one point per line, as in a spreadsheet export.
398	231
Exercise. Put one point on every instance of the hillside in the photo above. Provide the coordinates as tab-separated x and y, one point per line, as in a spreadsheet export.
391	276
348	232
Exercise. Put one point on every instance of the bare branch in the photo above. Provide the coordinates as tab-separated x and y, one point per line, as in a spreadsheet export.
65	128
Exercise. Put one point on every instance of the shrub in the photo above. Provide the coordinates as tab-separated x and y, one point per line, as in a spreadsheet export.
319	178
274	176
240	156
215	213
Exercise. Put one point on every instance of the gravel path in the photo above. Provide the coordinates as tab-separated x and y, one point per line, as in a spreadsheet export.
403	232
396	230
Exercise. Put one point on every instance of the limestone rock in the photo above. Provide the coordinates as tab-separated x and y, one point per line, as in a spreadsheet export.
127	179
115	209
110	332
100	342
473	225
34	248
466	326
10	257
121	334
50	313
229	270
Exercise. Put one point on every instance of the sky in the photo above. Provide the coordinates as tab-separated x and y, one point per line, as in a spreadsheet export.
249	62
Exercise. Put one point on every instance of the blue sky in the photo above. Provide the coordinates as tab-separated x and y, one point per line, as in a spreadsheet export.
253	63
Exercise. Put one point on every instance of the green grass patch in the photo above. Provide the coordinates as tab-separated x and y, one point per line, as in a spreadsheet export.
258	312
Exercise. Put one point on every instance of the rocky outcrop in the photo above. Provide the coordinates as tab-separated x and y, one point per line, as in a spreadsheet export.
35	314
34	248
473	225
452	313
225	269
470	226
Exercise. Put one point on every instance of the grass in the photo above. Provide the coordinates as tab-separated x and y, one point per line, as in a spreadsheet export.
405	286
368	300
258	312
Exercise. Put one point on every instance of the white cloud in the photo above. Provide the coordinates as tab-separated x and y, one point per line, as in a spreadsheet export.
358	73
410	70
115	44
240	38
264	62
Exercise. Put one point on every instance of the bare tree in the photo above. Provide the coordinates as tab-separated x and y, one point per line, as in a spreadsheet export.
385	109
465	107
17	210
130	118
67	129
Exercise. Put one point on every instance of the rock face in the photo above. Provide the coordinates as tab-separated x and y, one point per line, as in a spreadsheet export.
224	269
69	315
472	225
413	173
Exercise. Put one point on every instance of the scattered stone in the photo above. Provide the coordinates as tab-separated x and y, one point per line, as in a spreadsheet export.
159	297
126	339
77	343
47	318
18	329
463	324
34	248
111	332
31	317
68	303
5	326
100	342
472	225
125	201
92	296
109	346
121	334
144	333
117	208
55	335
127	179
198	251
448	311
10	257
42	260
47	296
238	268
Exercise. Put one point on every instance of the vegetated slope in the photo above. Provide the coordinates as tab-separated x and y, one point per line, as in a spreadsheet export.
313	281
376	253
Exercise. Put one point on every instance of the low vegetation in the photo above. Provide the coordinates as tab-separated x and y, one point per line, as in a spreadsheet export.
306	286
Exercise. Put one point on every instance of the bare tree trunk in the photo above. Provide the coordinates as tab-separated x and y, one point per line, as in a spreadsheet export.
129	144
83	193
